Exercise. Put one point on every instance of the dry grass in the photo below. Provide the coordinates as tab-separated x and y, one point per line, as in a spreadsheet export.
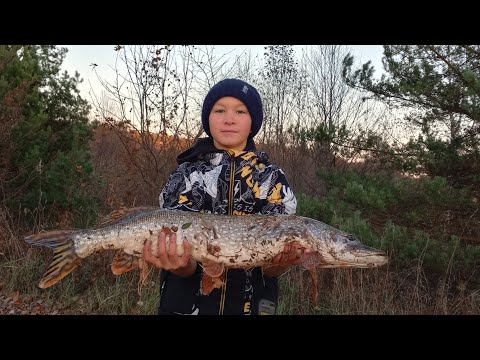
90	289
93	289
380	291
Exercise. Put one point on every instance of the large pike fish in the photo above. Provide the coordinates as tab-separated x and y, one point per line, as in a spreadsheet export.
232	241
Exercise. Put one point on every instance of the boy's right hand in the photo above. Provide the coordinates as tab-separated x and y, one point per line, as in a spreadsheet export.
167	258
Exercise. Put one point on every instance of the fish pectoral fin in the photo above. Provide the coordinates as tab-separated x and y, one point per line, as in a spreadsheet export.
212	268
310	260
213	276
123	262
314	276
209	283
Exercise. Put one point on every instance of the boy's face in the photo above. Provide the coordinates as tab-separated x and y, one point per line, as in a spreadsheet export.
230	123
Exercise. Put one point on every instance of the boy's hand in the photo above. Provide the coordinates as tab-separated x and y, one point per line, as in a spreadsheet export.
168	258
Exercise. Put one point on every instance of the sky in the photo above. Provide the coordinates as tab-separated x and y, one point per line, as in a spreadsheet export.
80	57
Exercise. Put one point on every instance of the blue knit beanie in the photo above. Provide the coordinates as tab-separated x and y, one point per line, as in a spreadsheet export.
238	89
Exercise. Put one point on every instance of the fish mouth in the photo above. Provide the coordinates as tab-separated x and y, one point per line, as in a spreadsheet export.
351	259
357	256
365	254
372	260
360	263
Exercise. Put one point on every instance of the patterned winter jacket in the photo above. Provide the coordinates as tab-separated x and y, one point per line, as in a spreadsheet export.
224	182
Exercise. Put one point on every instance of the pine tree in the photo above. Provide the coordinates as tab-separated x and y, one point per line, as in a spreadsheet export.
440	85
51	167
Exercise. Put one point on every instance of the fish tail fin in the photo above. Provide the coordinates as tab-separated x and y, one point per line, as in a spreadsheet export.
64	261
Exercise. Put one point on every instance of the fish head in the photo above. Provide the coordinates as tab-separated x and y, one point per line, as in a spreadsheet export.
347	251
335	248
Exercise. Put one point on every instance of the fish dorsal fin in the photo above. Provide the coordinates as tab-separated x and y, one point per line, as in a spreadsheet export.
123	213
123	262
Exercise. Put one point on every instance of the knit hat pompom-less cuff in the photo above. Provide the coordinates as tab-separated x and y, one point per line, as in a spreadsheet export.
238	89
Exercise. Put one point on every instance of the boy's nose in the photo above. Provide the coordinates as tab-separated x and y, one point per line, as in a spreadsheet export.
229	118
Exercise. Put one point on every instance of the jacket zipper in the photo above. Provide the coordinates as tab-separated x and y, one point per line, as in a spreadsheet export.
229	212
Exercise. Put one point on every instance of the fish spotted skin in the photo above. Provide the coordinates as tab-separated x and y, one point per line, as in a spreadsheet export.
234	241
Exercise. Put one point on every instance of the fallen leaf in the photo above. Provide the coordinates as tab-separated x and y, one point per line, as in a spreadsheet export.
14	296
40	308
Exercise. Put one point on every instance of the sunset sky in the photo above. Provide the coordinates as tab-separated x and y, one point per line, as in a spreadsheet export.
80	57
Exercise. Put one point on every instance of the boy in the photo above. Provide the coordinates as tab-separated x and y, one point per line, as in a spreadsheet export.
224	174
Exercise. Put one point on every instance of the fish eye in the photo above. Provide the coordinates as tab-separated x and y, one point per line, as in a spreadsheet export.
350	238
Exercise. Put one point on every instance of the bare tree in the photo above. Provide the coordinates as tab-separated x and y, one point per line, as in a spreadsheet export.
246	67
336	114
147	103
278	79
